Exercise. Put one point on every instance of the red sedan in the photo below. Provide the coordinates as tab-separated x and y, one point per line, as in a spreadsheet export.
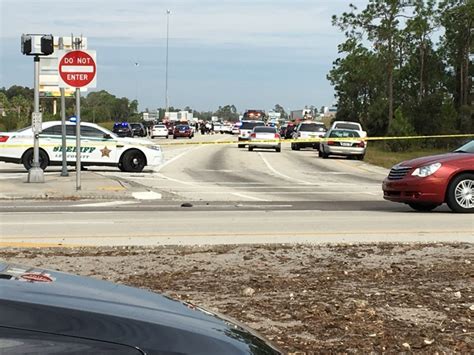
183	131
428	182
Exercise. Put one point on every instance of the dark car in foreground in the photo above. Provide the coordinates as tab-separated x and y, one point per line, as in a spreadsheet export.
427	182
49	312
183	130
138	129
123	129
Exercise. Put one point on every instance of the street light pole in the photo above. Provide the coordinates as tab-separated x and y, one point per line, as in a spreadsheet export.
167	42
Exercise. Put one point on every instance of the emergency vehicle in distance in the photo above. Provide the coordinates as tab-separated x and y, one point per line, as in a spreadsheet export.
99	146
254	115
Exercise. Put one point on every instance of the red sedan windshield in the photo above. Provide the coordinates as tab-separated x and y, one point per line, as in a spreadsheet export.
466	148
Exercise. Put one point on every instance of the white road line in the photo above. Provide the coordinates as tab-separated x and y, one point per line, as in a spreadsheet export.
277	193
157	169
147	195
166	163
176	180
49	223
280	174
249	197
103	204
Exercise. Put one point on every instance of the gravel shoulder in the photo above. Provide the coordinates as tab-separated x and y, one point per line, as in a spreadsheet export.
306	298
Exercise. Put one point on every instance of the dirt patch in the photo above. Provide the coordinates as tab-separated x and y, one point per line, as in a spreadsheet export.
308	299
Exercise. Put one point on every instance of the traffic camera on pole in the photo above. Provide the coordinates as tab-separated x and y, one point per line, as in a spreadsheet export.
36	45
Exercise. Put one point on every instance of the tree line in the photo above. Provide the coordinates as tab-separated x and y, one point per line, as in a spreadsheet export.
406	69
16	106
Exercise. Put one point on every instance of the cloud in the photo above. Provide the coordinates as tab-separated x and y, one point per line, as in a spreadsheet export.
248	52
257	23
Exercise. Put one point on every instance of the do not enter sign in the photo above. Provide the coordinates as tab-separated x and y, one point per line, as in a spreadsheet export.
77	69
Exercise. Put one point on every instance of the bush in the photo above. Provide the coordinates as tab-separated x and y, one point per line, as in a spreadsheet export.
400	127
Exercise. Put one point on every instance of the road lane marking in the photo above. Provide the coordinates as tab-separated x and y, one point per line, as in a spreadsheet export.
234	234
35	245
280	174
147	195
357	167
176	180
166	163
102	204
249	197
43	223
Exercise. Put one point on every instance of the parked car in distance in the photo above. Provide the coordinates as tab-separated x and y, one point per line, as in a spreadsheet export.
226	128
170	127
159	130
245	131
182	130
308	130
236	128
343	142
138	129
49	312
287	130
356	126
427	182
123	129
265	137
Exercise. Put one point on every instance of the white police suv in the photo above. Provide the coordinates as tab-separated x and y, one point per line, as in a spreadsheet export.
99	146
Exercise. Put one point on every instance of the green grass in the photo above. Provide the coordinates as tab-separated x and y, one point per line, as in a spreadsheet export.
377	155
107	125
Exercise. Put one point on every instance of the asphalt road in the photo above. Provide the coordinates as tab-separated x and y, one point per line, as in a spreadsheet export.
213	194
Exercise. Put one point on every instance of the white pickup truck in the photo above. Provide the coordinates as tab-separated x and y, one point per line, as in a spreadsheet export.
222	127
356	126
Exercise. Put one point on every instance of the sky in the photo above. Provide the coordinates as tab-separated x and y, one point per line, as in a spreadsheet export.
249	53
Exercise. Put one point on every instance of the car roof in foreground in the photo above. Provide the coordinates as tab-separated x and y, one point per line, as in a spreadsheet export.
95	309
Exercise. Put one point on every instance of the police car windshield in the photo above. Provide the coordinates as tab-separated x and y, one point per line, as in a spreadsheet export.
312	127
339	133
251	125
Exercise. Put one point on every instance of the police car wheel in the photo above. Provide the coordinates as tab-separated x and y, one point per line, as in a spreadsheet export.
133	161
27	159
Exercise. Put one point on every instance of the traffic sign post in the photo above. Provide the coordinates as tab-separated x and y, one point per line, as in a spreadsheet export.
77	69
35	174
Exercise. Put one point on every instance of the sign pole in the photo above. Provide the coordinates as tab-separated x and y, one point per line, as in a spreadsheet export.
64	171
78	139
35	174
78	129
77	69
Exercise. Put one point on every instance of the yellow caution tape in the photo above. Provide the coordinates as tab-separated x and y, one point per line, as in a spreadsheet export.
316	140
246	142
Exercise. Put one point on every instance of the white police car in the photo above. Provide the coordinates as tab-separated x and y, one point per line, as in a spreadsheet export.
99	146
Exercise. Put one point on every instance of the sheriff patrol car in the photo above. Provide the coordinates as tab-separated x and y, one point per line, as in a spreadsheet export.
99	146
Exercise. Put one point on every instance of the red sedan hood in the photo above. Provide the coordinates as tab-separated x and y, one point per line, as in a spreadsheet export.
441	158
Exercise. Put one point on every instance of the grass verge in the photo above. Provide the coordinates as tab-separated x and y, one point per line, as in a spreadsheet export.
378	154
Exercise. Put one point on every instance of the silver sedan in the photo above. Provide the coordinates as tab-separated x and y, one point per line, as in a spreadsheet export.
264	137
343	142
